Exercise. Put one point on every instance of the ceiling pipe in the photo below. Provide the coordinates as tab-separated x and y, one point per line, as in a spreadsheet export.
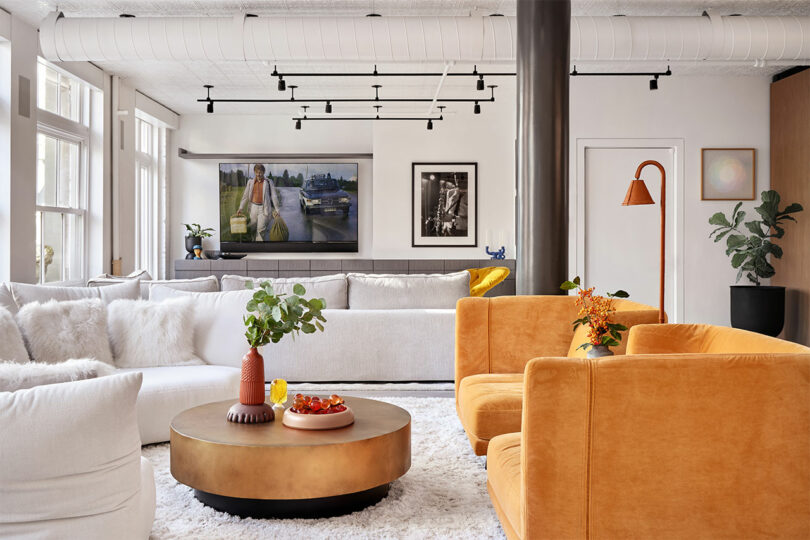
418	39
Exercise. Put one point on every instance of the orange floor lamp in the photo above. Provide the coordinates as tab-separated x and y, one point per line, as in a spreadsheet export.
637	194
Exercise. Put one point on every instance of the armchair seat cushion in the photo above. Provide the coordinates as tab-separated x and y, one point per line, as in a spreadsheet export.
490	405
503	479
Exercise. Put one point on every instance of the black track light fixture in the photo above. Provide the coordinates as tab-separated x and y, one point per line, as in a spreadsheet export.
476	108
328	108
298	124
210	107
430	125
282	85
479	84
654	83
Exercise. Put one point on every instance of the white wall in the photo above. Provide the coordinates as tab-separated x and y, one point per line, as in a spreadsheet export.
704	112
722	111
385	205
194	196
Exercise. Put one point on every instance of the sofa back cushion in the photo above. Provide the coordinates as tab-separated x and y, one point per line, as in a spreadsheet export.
58	331
105	280
219	332
25	293
332	288
201	284
70	455
414	291
12	347
705	339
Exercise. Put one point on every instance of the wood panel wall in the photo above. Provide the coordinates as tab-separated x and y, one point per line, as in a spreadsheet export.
790	176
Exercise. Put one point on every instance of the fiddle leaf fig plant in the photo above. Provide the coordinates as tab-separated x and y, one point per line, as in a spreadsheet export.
195	230
272	316
749	250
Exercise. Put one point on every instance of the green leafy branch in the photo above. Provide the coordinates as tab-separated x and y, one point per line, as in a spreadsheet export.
749	251
272	316
196	230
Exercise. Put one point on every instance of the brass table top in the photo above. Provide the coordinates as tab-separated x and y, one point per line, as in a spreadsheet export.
272	461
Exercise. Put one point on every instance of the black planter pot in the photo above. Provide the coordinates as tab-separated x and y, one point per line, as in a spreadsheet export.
192	241
758	308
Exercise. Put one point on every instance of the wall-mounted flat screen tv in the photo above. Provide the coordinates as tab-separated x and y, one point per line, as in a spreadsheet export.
276	207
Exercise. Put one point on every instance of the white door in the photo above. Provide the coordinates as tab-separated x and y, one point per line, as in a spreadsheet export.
622	243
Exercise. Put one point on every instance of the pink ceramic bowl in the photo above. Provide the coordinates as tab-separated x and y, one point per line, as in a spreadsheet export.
318	421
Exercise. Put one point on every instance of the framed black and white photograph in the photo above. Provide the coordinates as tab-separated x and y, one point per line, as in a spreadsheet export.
444	199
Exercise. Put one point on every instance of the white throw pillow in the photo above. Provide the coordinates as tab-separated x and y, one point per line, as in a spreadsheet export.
7	300
414	291
203	284
152	334
105	280
71	465
219	331
12	347
15	376
57	331
333	288
25	293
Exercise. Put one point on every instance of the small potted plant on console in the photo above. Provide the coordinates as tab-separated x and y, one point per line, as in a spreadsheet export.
270	317
194	235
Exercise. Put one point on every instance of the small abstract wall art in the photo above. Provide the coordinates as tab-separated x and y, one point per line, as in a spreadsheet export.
728	174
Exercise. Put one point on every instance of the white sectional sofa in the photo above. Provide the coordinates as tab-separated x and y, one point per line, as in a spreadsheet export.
385	328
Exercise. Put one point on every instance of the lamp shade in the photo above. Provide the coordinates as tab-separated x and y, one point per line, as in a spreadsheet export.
637	193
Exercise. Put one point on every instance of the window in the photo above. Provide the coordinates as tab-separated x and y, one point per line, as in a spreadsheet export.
150	195
62	196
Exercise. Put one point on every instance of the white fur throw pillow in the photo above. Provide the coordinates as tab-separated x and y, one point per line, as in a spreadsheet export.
152	334
15	376
12	347
57	331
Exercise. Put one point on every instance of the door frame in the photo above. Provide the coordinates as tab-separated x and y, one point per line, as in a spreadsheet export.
675	192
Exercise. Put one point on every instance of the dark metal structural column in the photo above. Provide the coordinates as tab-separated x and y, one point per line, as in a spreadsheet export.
543	50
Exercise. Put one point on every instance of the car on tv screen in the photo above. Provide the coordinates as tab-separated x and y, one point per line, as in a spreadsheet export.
322	195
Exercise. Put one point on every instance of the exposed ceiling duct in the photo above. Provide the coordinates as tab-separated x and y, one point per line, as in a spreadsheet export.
419	39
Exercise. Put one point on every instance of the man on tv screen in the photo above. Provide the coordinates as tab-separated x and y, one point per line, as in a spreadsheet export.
260	194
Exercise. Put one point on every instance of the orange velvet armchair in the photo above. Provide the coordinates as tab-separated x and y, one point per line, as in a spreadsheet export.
693	443
496	337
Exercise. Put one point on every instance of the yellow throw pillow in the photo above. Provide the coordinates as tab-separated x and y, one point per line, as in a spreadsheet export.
483	279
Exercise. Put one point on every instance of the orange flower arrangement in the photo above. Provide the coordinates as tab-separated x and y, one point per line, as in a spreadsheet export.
596	311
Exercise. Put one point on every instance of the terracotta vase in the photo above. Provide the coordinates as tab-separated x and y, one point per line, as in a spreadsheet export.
251	385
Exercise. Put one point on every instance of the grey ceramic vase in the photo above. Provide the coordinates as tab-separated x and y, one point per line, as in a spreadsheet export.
598	351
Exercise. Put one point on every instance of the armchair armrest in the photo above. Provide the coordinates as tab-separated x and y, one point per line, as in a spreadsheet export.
554	448
472	338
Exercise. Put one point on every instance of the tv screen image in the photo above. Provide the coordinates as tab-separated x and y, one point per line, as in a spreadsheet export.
288	206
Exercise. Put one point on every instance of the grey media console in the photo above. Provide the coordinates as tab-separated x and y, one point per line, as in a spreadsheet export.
185	268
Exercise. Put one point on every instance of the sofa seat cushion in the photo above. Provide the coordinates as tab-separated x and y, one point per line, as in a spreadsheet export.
503	477
491	404
168	391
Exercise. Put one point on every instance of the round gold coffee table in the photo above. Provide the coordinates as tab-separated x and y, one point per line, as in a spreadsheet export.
270	470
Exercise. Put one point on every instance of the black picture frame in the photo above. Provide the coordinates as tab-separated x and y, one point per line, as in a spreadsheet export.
471	193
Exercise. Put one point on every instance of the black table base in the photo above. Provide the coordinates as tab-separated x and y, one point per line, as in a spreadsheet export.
294	508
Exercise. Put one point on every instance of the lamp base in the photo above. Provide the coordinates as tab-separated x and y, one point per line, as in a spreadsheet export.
251	414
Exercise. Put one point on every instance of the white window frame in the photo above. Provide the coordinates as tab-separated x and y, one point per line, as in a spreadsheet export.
62	128
151	200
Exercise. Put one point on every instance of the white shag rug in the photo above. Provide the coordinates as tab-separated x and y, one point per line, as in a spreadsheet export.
443	495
